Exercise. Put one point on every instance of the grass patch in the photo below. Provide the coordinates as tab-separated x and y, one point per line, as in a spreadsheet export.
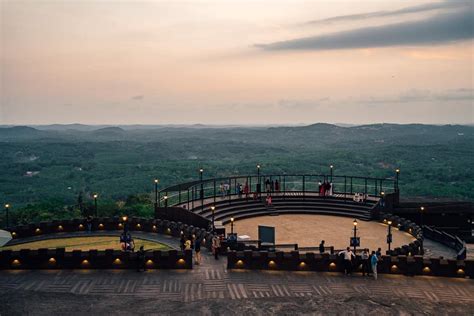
86	243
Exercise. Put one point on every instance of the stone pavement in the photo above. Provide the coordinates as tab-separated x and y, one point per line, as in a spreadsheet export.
211	289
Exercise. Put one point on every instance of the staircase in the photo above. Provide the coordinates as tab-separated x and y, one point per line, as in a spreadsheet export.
240	208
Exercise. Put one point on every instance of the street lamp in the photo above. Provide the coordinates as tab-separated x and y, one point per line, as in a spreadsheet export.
422	210
95	203
7	211
389	234
397	174
231	225
355	234
166	201
156	193
258	178
125	224
213	209
201	193
331	167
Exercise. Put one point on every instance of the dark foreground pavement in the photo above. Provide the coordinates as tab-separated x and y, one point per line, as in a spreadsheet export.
209	289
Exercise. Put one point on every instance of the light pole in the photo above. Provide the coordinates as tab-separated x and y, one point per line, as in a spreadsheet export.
7	211
331	167
422	210
231	225
125	224
156	194
382	199
213	209
95	203
258	178
166	201
355	234
389	234
397	175
201	193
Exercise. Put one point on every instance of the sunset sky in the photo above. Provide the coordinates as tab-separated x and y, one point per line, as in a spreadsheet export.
236	62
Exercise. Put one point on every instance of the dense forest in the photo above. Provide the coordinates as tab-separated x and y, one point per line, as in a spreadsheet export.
48	171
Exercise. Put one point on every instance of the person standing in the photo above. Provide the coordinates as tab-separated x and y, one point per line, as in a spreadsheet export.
182	241
373	262
365	262
197	250
321	247
277	186
348	256
246	189
216	245
89	224
141	259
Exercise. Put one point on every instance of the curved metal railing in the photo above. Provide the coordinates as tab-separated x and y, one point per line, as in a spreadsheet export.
205	189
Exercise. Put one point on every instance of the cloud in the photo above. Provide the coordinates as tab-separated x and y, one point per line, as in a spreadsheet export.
378	14
417	95
138	97
442	28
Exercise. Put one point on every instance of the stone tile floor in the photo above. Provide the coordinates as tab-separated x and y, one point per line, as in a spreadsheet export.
211	289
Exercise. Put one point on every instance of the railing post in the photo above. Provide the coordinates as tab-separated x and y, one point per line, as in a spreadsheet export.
179	197
230	191
365	190
214	191
304	185
159	198
284	187
188	198
375	187
351	185
345	188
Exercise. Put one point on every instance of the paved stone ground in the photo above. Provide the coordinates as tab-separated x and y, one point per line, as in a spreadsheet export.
211	289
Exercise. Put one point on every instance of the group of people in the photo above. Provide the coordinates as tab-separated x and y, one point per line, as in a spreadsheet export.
325	188
126	241
195	243
369	261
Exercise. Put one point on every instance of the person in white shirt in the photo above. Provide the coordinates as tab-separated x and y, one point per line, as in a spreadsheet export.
348	256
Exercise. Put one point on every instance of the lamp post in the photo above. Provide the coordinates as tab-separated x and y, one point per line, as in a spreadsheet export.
397	175
156	194
231	225
331	167
258	178
124	220
382	199
201	192
7	211
166	201
389	234
422	210
355	234
213	209
95	203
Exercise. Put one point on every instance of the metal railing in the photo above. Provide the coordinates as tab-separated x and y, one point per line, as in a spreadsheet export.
209	191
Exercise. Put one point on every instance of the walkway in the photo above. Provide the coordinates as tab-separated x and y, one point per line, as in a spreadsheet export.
211	289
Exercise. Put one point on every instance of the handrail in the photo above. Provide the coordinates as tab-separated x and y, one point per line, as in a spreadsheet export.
200	190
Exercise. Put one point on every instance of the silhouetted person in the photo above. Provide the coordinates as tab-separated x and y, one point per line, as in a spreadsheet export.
89	224
141	259
321	247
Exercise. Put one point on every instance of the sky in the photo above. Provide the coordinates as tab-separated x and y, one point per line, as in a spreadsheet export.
236	62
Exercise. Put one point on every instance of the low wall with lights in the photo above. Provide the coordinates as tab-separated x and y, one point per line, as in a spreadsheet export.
109	224
402	224
92	259
295	261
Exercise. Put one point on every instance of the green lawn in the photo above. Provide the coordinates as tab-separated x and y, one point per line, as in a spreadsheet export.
86	243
